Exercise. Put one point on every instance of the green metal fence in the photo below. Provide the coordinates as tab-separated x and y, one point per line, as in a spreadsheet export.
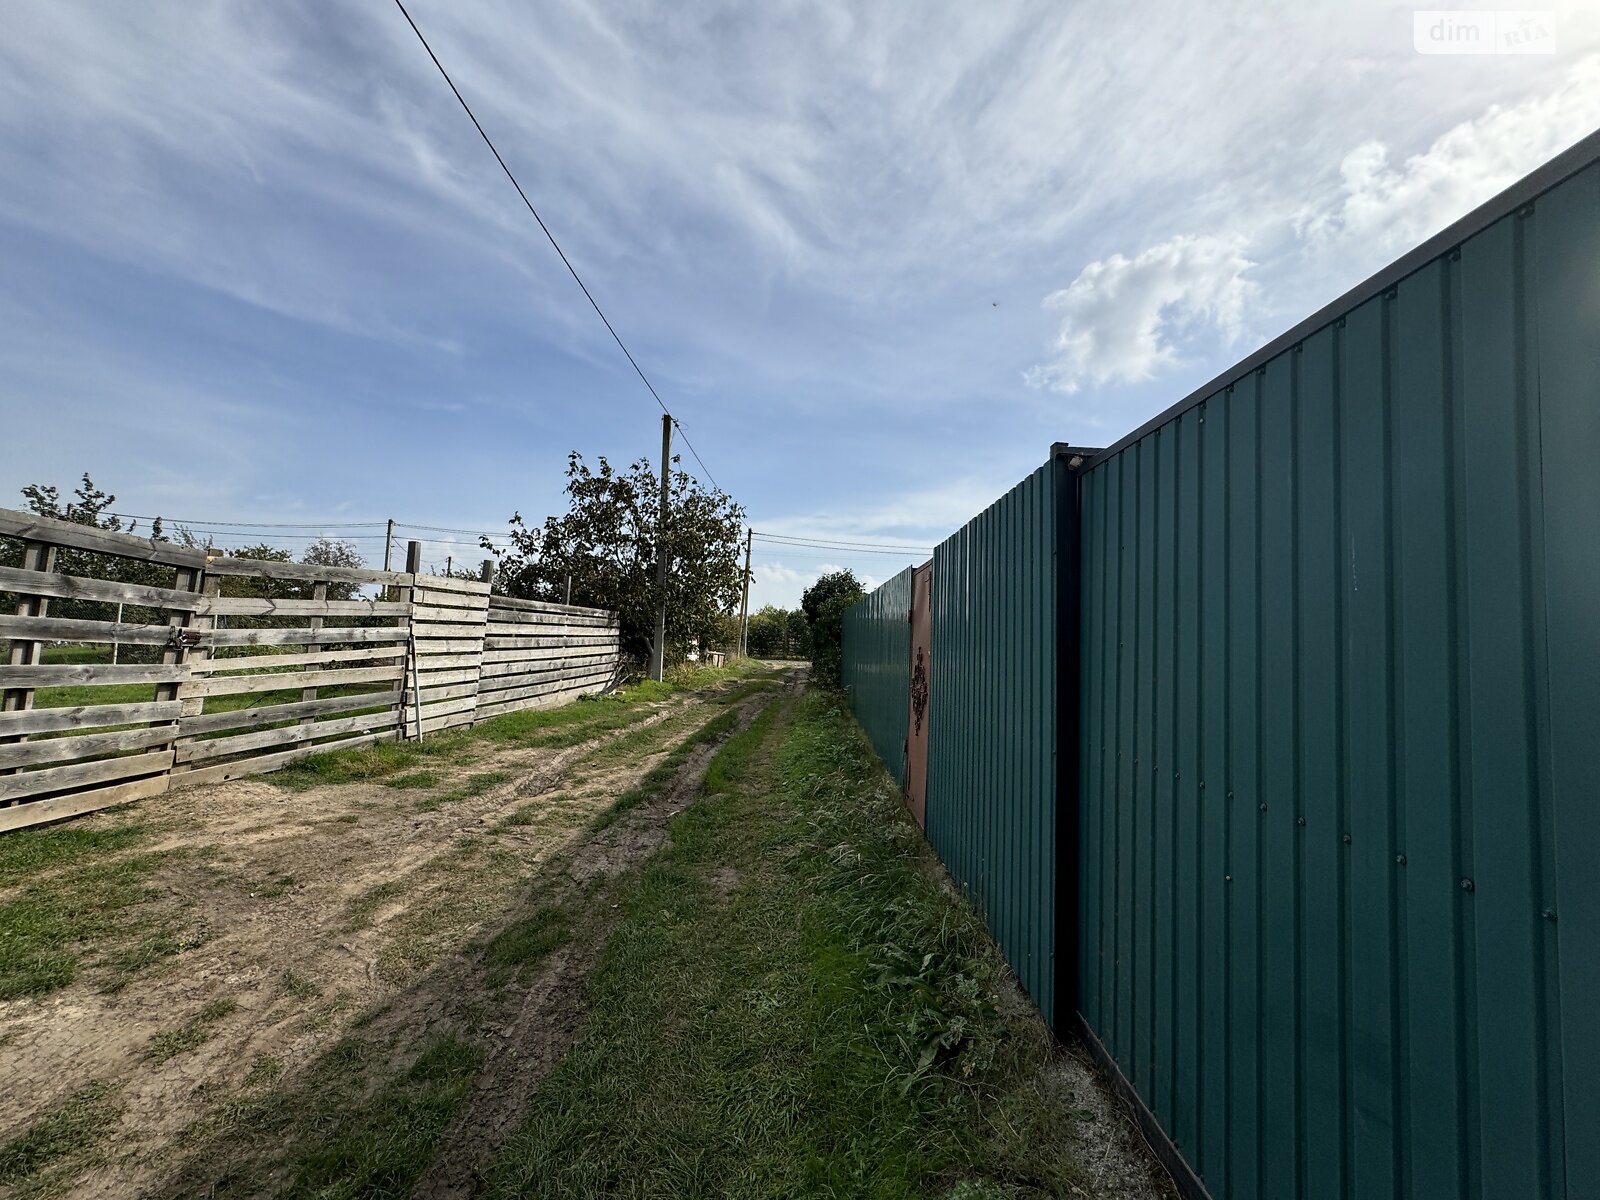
876	669
1341	737
1314	657
992	713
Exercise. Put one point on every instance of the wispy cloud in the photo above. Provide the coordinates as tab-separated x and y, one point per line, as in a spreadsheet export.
1128	320
1391	207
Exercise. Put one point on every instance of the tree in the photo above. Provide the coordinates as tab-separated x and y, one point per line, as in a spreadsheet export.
768	626
835	583
254	586
606	543
331	552
825	602
91	506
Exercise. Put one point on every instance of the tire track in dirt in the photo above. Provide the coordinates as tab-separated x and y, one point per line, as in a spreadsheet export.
527	1042
232	842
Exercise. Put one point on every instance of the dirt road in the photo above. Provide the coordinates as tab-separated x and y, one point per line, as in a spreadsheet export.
295	918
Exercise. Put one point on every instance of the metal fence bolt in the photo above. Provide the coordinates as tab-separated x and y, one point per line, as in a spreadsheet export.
1299	820
1400	859
1227	879
1347	839
1466	885
1549	914
1263	808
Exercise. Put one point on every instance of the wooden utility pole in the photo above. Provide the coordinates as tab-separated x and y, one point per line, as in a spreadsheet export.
744	604
388	543
658	651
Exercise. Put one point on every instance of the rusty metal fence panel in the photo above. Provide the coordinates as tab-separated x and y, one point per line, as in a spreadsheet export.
876	669
1341	735
991	811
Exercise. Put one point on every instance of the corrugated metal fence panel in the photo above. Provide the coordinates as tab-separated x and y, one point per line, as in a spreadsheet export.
1341	738
992	712
877	669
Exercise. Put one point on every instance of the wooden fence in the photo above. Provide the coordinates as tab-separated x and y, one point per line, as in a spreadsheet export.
232	667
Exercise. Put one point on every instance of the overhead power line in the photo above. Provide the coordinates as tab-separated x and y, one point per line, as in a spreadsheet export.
254	524
573	271
788	540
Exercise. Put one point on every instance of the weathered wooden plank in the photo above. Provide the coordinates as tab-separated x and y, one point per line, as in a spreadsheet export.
443	583
255	662
552	654
72	587
214	748
230	685
541	689
445	678
529	653
542	643
451	704
493	707
433	694
56	779
433	648
510	678
511	603
299	637
271	762
308	572
440	662
59	808
64	629
51	675
86	537
84	716
431	635
271	714
424	613
63	749
572	620
249	606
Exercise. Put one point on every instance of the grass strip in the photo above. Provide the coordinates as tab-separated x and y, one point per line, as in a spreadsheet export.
793	1005
569	724
191	1035
63	1136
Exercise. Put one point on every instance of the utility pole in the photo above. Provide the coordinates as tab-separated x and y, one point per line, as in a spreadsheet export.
449	565
658	652
388	544
567	595
744	604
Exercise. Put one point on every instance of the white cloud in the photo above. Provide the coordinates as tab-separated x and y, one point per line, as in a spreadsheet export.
1394	207
1124	319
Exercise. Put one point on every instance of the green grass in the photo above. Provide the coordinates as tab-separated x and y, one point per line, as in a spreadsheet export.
526	941
192	1034
29	851
50	928
358	913
416	779
659	777
53	1143
570	724
476	785
831	1029
351	1127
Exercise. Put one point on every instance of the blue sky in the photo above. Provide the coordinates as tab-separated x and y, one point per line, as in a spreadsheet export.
255	264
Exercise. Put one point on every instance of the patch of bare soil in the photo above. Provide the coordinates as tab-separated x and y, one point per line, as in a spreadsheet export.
325	904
